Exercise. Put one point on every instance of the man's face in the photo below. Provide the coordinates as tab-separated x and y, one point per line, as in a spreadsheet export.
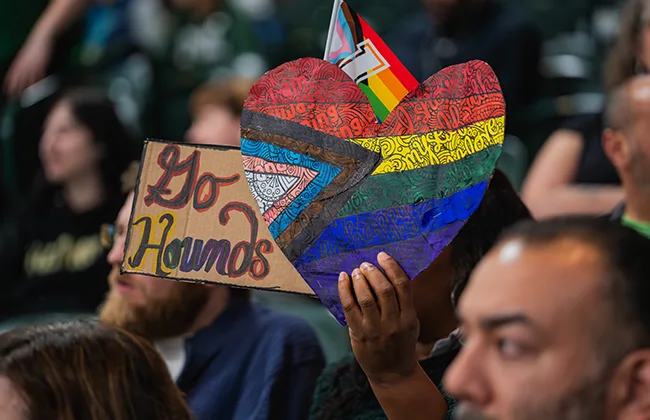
149	306
12	405
531	332
639	159
214	125
628	147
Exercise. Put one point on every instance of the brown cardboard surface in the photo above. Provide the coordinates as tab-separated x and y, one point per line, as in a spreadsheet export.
195	219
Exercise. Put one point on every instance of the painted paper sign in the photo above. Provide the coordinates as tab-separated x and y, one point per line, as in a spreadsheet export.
194	219
336	187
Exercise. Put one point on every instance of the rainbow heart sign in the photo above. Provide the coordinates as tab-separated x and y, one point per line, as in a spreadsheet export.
336	187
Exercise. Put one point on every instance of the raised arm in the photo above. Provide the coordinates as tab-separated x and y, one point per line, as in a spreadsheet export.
30	65
549	189
383	333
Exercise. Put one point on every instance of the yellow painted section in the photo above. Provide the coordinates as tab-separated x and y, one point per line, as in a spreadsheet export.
403	153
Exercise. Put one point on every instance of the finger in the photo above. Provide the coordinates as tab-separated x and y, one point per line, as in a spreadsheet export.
400	281
383	289
350	308
365	299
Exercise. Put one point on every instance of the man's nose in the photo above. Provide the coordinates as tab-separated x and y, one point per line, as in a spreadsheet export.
116	253
464	379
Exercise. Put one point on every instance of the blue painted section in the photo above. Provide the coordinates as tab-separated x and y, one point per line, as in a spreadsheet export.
272	153
394	224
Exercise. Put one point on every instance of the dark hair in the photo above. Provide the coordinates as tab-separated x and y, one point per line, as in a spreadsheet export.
94	110
622	61
500	208
625	268
86	370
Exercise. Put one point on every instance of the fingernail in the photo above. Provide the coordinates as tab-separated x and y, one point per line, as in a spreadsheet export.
342	276
367	266
356	273
382	256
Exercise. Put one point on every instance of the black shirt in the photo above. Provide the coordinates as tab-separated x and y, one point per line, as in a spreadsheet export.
53	261
594	166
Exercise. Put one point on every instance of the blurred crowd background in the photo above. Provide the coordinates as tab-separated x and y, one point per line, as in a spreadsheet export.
151	54
151	68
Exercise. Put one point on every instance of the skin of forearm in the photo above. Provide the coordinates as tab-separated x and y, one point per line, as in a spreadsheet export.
56	18
413	397
577	199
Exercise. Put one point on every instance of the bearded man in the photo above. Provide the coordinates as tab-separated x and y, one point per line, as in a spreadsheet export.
232	358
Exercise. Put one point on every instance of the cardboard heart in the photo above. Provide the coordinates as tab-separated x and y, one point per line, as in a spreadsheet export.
336	187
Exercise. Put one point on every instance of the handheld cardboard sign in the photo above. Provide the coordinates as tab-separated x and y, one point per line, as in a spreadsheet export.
194	219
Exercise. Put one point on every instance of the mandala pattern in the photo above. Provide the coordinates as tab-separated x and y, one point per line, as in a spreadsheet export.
336	187
276	185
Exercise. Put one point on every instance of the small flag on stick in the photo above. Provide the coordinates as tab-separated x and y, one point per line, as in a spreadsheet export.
355	47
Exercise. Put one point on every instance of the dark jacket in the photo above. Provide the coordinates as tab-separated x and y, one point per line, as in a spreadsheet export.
53	261
343	392
251	364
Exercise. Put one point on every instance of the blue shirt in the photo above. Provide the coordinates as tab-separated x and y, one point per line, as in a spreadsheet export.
251	363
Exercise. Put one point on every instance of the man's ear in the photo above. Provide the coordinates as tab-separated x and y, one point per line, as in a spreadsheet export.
629	391
616	148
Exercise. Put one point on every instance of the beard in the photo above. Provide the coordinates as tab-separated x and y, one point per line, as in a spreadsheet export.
639	167
587	403
158	319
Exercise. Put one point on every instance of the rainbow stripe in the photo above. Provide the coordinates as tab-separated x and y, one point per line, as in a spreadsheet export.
361	53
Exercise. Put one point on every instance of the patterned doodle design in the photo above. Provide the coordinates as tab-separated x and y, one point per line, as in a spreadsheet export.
276	185
406	186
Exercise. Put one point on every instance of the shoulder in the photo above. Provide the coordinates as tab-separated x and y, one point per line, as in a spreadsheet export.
276	322
585	124
336	376
283	330
342	388
335	369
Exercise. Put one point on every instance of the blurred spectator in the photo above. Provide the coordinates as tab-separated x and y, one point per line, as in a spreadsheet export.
37	39
84	370
50	251
556	326
456	31
31	42
232	358
343	391
305	24
627	144
216	109
201	40
571	174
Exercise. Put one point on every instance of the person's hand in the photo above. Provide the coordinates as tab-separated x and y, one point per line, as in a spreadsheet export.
383	329
29	66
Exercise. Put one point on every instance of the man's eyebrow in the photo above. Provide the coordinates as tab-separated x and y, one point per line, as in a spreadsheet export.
497	321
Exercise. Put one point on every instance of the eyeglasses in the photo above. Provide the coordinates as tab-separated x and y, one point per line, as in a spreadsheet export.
107	235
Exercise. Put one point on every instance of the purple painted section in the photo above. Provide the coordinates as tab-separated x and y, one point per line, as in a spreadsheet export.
414	255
